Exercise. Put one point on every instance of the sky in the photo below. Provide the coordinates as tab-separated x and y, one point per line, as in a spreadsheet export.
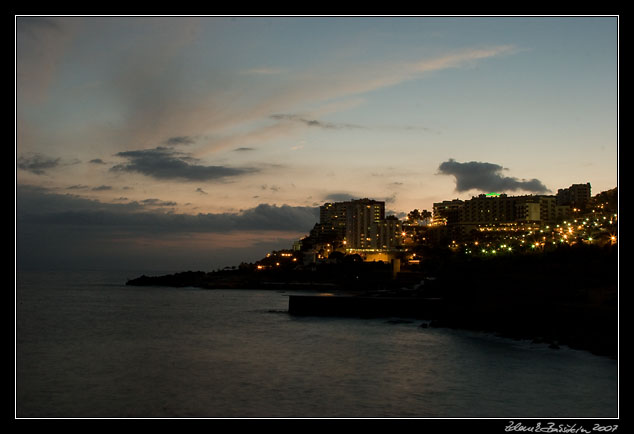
199	142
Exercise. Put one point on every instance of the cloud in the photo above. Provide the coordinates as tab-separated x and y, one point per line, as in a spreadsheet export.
165	163
314	122
390	199
157	202
180	140
37	163
97	161
321	87
201	191
340	197
31	25
244	149
153	79
343	126
156	87
481	176
398	214
43	208
274	188
461	58
40	44
63	231
102	188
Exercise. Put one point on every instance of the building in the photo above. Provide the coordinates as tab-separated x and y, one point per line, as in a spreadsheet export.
362	218
547	208
389	234
333	216
447	211
489	209
499	209
577	195
357	226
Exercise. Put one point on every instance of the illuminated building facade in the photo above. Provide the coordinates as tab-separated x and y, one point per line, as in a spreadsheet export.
333	216
362	218
499	209
389	234
487	209
360	225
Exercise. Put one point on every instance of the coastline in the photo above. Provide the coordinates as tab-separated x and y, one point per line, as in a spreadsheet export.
564	299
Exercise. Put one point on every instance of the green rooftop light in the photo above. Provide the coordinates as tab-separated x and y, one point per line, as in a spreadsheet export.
493	195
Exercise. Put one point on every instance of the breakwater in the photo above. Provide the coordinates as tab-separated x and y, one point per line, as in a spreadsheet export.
365	307
587	328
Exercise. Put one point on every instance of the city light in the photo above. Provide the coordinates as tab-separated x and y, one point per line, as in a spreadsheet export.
483	225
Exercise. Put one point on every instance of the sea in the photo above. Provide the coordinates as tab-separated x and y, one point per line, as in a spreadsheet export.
87	346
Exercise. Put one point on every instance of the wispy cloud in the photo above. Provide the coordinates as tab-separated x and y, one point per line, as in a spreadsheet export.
325	85
315	122
475	175
157	88
102	188
40	43
157	202
213	113
461	58
180	140
312	122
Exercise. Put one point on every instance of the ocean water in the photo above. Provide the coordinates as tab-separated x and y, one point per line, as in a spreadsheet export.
88	346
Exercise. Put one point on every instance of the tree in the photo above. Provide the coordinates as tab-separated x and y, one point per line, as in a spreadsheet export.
414	216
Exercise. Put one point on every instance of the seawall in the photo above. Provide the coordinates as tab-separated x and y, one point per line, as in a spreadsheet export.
367	307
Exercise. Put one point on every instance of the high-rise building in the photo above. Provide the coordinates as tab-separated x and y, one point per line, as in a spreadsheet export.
361	218
333	216
361	224
389	234
577	195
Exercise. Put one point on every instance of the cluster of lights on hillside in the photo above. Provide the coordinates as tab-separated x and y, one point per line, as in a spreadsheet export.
598	228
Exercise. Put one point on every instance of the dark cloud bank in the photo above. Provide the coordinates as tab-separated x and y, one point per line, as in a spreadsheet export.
476	175
63	231
37	206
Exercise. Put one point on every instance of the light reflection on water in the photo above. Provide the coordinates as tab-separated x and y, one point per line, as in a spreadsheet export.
95	348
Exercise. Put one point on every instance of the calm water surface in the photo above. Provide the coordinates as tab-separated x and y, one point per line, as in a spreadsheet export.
87	346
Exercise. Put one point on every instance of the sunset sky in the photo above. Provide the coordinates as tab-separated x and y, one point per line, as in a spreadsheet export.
165	143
